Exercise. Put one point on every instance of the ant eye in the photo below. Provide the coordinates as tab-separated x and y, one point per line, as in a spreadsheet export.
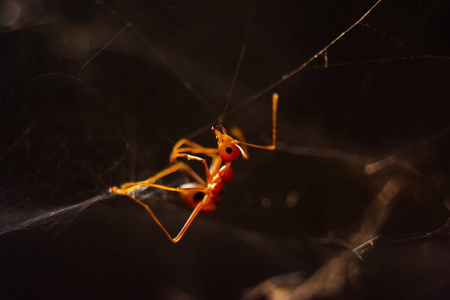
228	152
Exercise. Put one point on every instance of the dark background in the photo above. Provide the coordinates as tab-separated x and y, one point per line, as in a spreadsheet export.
95	95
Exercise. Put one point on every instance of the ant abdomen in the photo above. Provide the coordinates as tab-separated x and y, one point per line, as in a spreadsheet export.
193	198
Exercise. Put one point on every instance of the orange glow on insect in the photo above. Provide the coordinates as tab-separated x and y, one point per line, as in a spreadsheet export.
201	194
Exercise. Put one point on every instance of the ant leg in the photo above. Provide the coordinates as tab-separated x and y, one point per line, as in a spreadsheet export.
192	157
178	166
130	186
182	231
192	147
274	127
127	190
211	152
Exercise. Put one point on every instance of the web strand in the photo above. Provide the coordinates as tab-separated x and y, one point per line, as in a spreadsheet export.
233	83
302	66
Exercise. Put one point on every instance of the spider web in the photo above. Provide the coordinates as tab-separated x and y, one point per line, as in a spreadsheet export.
95	93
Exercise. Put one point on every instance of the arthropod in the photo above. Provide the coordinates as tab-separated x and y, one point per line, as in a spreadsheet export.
201	194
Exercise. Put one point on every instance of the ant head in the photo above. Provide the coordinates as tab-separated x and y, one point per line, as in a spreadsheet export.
228	147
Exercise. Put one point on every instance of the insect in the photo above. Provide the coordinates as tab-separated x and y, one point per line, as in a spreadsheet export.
201	195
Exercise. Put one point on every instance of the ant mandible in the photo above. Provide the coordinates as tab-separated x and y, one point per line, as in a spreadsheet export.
201	195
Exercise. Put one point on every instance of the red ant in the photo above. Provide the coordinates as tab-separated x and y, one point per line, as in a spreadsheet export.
201	195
